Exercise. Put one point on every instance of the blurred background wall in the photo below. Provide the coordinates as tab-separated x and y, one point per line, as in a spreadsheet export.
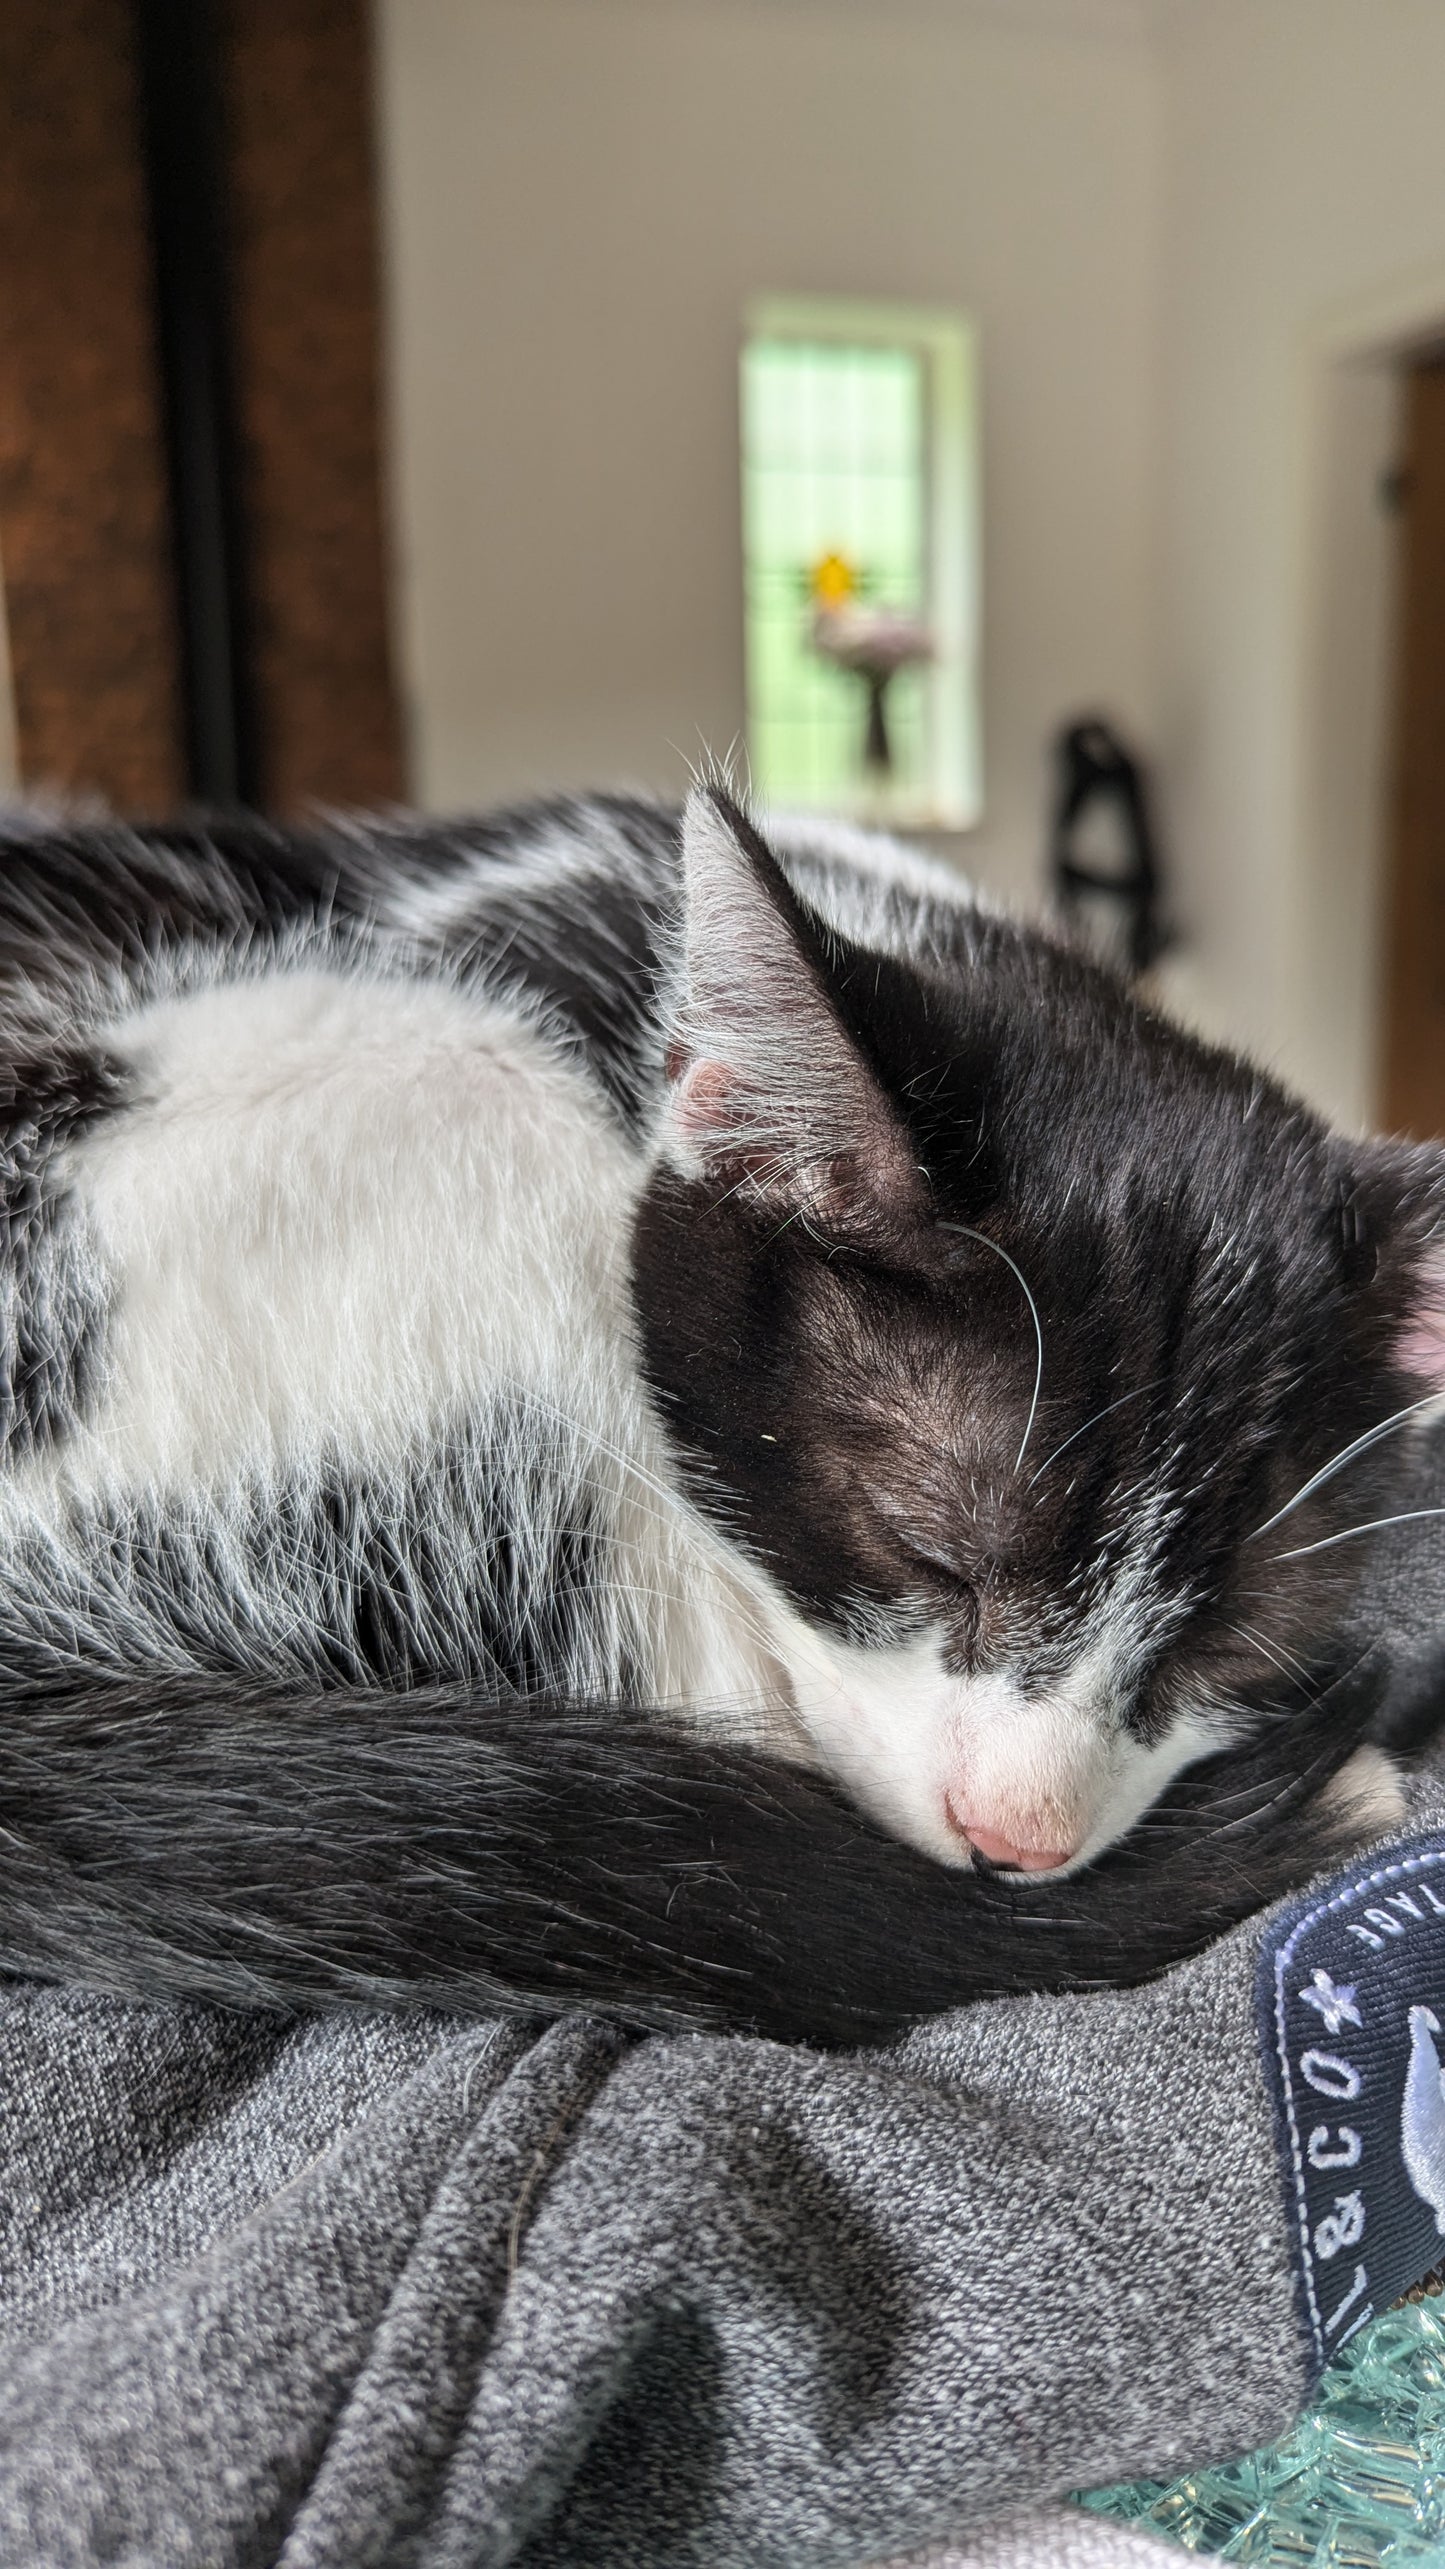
488	262
581	198
1303	255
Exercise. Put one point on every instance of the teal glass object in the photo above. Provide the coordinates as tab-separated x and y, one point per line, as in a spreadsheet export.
1358	2482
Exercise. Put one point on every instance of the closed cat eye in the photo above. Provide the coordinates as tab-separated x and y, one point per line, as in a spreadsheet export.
937	1563
933	1559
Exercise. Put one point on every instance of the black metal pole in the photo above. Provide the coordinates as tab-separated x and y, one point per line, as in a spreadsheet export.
178	57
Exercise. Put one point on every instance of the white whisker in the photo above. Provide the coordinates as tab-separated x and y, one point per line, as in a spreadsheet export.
1106	1412
1377	1525
985	1242
1337	1463
630	1463
1288	1662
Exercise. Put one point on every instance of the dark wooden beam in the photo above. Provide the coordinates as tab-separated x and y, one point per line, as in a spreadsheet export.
84	539
184	147
304	266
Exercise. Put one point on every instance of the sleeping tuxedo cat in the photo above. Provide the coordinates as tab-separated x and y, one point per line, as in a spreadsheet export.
594	1412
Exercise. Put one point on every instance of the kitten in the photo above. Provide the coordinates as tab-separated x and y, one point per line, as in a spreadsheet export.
532	1351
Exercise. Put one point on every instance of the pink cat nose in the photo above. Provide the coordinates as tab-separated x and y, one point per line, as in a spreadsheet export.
996	1849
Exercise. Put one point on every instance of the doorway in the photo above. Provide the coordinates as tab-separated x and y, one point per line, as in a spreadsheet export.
1412	1096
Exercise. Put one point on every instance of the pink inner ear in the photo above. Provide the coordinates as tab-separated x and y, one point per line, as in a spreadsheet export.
1421	1347
701	1094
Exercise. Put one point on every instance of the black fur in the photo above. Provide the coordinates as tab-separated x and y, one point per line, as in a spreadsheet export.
201	1840
1220	1283
590	948
52	1314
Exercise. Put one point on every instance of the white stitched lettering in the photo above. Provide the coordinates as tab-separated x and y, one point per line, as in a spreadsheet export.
1342	2228
1330	2076
1320	2155
1353	2295
1387	1925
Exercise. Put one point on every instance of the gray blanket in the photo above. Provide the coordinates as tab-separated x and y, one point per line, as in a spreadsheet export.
387	2291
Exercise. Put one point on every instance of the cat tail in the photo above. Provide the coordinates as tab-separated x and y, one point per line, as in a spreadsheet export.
191	1838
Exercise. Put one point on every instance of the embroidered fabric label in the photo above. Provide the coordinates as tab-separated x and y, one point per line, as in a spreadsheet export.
1352	2009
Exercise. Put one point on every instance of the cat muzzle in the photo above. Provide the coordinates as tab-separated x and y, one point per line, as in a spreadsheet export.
999	1850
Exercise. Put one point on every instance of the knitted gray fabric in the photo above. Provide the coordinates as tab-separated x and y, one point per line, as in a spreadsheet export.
374	2294
1050	2538
386	2292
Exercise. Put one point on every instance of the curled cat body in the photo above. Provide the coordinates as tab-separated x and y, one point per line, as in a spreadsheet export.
599	1409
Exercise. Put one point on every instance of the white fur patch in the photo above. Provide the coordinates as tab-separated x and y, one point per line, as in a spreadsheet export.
907	1738
345	1212
343	1205
1368	1794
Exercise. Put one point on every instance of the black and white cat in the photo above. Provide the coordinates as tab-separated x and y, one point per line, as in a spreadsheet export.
530	1351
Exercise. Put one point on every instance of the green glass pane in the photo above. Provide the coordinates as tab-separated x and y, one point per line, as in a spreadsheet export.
833	462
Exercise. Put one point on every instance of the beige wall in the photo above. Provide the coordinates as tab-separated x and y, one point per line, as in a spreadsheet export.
1179	247
583	194
1305	152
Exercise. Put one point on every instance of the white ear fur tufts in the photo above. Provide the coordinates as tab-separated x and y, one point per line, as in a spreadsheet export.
707	1110
1421	1344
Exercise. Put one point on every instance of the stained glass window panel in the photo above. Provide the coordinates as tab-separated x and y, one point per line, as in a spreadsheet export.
841	456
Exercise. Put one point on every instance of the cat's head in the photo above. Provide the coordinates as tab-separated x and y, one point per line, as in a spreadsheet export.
1006	1327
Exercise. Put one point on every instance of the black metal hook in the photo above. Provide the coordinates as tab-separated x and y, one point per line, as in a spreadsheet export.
1094	768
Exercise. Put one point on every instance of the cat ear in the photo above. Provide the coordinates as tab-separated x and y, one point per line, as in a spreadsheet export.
1420	1347
1398	1199
770	1092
